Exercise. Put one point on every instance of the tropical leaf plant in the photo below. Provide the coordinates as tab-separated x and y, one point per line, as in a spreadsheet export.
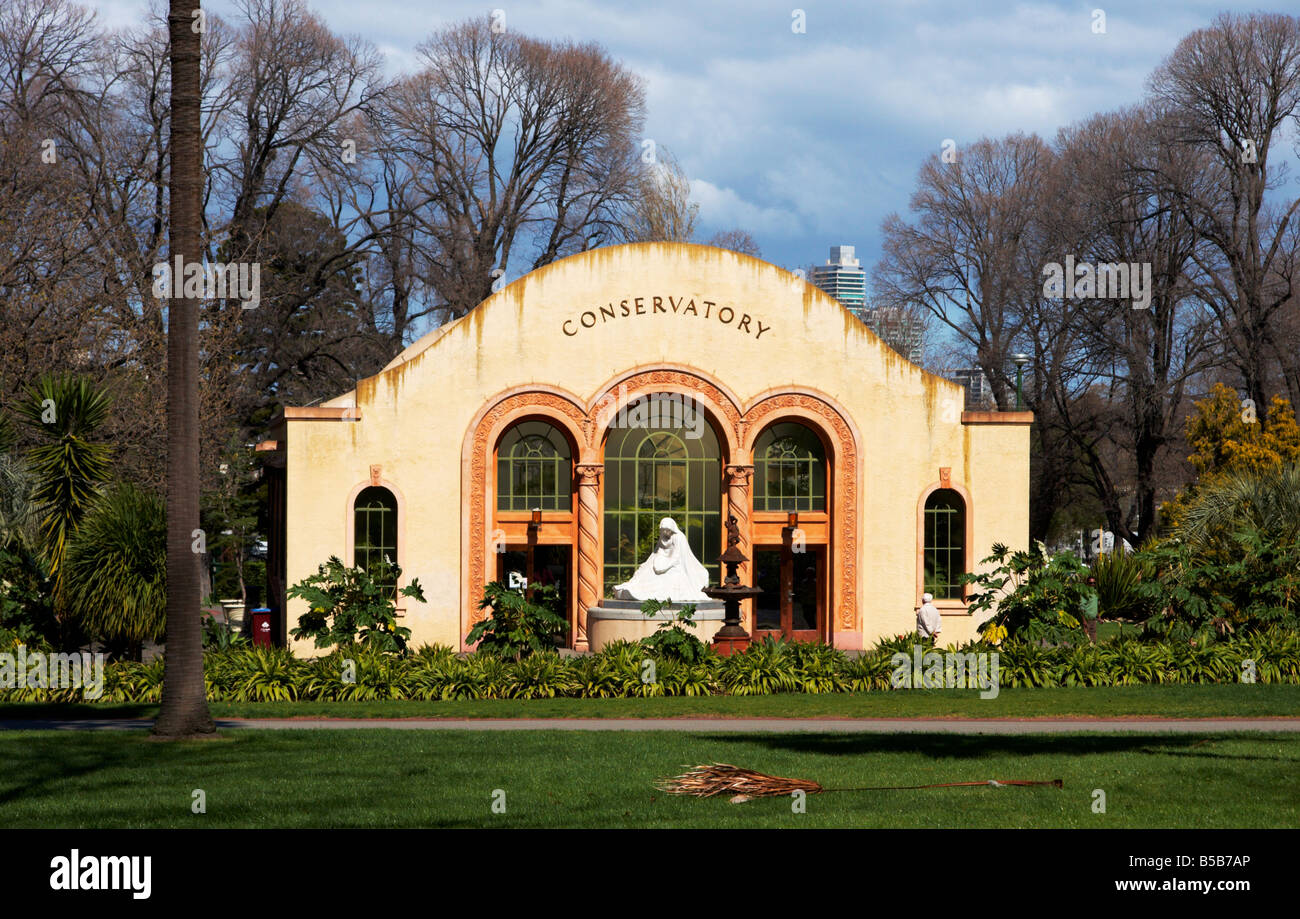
1031	594
349	605
518	626
64	412
115	573
18	509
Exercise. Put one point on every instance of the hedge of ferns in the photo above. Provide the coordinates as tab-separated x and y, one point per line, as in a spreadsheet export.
436	673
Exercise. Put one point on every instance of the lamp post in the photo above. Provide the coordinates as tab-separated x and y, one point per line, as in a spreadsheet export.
1019	359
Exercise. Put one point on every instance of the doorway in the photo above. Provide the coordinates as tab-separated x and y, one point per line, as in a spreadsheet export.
549	566
792	604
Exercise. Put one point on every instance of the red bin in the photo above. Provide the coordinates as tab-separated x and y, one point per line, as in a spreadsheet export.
261	627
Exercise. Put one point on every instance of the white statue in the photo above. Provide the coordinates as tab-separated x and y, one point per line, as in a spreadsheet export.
670	573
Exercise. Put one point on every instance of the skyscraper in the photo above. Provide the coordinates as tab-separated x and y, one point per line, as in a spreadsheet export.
902	330
843	277
979	394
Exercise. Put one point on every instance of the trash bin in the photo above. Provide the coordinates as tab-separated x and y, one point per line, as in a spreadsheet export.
261	627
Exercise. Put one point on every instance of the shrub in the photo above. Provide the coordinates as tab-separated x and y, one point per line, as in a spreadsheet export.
351	605
671	641
1036	595
115	569
517	626
1119	586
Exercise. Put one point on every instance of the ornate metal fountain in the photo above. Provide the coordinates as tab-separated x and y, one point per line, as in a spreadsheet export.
732	637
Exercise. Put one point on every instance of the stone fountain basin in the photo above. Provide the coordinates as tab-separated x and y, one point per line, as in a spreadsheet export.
615	620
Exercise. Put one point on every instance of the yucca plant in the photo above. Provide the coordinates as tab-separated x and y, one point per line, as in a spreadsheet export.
65	412
1119	595
115	572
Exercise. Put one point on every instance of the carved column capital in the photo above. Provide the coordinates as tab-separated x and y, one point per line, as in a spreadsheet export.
738	475
588	473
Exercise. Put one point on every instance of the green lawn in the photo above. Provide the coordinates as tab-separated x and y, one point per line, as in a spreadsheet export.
1183	701
551	779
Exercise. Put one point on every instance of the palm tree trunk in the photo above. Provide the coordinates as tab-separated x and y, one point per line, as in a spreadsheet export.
184	710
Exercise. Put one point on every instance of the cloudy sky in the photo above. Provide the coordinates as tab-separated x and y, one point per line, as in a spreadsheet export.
808	139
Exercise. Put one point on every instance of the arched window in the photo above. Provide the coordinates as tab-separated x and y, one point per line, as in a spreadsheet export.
789	469
534	469
665	470
375	520
945	544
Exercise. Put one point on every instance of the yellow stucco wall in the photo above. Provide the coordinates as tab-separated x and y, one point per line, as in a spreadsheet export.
415	415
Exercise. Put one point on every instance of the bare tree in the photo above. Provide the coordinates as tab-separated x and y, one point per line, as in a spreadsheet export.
736	240
969	259
512	141
662	210
1125	188
1232	86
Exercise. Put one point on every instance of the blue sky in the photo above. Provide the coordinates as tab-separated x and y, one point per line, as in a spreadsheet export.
808	140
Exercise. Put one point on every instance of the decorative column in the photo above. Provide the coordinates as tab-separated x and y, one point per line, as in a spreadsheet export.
738	477
589	589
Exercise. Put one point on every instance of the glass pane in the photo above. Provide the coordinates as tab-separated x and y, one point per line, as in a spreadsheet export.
804	613
767	575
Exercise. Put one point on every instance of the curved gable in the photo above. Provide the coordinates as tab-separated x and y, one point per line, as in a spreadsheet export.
588	317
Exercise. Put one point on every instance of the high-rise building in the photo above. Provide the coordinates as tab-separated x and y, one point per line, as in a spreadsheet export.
843	277
896	327
979	394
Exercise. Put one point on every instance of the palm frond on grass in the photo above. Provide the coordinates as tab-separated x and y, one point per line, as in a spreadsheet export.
745	784
724	779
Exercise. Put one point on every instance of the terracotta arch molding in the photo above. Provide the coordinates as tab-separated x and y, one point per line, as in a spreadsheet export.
839	434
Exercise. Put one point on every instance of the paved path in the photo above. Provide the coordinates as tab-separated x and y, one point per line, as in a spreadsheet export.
715	725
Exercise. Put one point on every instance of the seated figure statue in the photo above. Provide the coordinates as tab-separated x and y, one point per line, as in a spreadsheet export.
671	573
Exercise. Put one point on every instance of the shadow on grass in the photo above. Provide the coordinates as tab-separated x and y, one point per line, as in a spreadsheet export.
962	746
74	711
30	772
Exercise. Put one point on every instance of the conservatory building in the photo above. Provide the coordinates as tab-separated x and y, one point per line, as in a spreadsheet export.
543	437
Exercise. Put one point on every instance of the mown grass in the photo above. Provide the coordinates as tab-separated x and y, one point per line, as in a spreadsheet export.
1176	701
383	778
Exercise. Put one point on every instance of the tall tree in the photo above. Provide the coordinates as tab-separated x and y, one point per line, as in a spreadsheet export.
184	709
1233	87
970	258
737	240
512	143
1125	191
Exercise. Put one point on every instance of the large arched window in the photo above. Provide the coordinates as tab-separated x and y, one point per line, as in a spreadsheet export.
374	516
534	469
789	469
657	472
945	544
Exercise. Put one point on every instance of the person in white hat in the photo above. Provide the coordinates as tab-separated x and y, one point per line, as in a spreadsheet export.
928	623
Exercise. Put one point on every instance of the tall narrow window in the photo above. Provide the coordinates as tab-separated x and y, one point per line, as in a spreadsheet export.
534	469
789	469
375	535
945	544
